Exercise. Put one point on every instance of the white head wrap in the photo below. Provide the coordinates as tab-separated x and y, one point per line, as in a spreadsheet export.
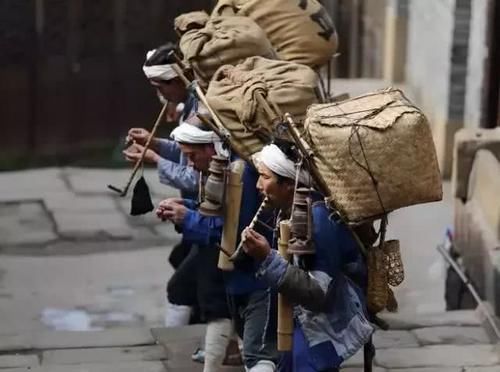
275	159
159	72
190	134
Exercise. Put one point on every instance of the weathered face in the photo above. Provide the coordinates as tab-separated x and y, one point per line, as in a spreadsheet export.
279	193
172	90
199	156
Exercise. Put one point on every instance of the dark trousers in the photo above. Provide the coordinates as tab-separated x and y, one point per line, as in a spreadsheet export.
199	283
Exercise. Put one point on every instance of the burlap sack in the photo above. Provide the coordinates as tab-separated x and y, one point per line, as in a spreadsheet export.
223	41
300	30
190	21
291	86
376	138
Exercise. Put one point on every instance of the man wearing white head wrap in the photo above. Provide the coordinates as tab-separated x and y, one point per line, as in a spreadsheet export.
166	153
163	72
183	289
252	304
326	286
276	160
191	134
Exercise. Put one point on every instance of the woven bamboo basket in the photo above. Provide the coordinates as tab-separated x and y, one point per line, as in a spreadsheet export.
375	152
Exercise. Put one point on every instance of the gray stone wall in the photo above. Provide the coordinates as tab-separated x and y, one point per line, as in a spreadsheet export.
430	36
477	54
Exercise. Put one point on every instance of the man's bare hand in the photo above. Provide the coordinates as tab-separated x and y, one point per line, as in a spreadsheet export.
255	244
134	153
137	135
173	210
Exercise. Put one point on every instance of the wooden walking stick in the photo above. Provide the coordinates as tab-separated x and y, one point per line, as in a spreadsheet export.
139	162
285	309
199	93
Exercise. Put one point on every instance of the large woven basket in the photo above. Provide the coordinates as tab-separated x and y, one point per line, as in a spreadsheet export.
375	152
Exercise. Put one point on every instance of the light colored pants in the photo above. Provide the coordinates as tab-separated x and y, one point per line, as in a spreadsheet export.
217	338
262	366
177	315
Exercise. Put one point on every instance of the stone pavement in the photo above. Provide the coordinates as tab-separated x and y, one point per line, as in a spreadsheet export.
123	350
44	210
438	342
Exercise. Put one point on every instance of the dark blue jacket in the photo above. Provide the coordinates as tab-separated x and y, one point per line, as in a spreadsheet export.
331	323
207	231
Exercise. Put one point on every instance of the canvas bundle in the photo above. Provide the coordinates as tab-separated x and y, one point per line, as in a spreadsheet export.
300	31
375	152
190	21
233	95
222	41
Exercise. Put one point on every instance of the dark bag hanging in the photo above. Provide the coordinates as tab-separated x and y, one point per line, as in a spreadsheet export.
141	198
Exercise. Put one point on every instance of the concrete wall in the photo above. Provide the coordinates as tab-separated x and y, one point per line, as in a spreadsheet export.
430	32
477	228
372	53
475	71
396	36
436	68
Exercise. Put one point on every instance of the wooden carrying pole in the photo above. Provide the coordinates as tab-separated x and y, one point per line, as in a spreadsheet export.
139	162
285	309
231	214
221	129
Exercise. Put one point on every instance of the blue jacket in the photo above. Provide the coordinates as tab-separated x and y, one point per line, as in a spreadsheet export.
174	171
206	231
329	310
172	168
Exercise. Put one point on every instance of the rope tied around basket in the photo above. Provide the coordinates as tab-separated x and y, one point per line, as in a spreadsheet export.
355	133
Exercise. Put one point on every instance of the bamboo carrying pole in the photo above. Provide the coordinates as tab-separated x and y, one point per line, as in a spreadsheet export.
285	309
199	93
139	162
231	214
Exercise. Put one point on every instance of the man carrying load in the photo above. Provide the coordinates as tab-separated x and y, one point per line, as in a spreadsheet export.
324	284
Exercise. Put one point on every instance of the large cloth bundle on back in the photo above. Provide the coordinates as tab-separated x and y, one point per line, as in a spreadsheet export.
300	31
223	40
375	152
190	21
233	89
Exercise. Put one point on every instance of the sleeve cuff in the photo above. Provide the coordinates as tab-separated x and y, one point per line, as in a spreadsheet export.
272	269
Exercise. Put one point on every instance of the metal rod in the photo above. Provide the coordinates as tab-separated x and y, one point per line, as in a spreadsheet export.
143	155
471	288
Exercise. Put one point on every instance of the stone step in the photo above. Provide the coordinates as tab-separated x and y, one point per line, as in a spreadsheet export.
405	321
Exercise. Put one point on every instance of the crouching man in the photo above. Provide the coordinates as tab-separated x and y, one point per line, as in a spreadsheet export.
325	287
251	302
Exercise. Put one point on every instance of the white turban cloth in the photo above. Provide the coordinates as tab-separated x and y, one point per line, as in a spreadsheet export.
158	72
190	134
276	160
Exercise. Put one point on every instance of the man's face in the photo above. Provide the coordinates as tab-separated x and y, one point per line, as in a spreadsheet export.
172	90
280	194
199	156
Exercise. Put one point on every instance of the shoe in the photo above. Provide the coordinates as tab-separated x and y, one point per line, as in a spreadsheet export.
198	356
